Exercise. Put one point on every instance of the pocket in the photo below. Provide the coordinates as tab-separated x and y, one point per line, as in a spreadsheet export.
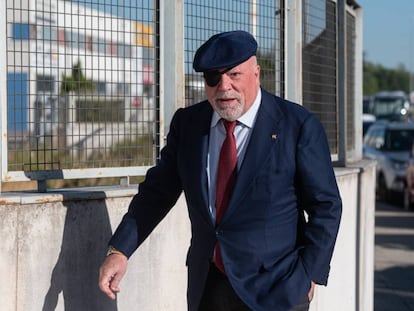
284	268
288	260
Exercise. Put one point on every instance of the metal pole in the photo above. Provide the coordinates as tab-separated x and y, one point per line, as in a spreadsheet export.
410	58
342	118
3	93
253	17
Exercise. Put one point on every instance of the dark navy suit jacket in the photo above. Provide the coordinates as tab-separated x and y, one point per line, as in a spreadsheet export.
271	251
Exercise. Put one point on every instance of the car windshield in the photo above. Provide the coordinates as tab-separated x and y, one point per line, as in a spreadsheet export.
399	140
388	107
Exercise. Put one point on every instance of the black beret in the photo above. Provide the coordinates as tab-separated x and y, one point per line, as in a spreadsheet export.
224	50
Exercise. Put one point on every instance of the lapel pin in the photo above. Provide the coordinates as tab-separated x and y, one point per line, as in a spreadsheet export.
274	136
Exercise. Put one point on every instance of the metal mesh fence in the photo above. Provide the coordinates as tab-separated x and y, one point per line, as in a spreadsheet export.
264	19
83	87
319	64
350	88
80	84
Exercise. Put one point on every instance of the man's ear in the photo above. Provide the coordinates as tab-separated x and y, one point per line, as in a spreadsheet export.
257	71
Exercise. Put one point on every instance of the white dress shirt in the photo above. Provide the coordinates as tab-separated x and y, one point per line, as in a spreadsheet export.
242	133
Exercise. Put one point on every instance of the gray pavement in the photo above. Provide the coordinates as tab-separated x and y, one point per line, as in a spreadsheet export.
394	258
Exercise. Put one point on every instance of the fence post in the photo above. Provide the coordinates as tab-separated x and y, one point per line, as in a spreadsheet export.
3	93
172	81
293	51
342	117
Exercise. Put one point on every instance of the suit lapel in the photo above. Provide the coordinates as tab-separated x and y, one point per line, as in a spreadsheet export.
199	156
263	138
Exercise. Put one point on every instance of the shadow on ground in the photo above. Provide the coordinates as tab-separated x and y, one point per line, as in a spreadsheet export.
394	285
394	289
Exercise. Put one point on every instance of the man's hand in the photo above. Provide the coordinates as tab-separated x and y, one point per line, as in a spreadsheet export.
311	291
111	272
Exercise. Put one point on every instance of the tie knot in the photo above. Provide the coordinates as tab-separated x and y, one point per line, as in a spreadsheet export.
229	125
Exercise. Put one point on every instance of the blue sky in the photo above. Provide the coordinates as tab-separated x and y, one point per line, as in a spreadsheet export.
389	32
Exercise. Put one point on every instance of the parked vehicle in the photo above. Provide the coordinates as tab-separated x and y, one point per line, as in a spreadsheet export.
389	143
367	121
388	105
367	105
367	117
408	201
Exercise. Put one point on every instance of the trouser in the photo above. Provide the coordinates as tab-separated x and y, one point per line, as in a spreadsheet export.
219	295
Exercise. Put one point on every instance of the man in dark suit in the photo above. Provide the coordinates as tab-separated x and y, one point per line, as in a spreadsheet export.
261	193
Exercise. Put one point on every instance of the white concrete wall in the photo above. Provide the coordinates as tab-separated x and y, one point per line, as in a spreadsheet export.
366	235
53	245
340	294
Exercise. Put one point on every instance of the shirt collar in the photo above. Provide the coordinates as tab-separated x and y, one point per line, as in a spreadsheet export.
248	117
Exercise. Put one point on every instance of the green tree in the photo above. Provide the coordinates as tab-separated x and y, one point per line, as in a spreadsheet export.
76	82
378	78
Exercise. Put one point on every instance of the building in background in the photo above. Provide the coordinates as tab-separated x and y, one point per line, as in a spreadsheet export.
46	39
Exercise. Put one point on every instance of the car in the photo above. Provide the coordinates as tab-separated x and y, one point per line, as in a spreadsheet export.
408	201
367	121
367	105
388	105
389	143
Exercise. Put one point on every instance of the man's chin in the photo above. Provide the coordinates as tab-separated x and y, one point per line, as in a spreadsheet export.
229	114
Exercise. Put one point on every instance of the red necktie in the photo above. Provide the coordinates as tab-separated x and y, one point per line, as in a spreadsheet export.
226	178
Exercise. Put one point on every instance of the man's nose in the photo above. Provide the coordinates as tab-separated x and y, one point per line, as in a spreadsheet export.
224	83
